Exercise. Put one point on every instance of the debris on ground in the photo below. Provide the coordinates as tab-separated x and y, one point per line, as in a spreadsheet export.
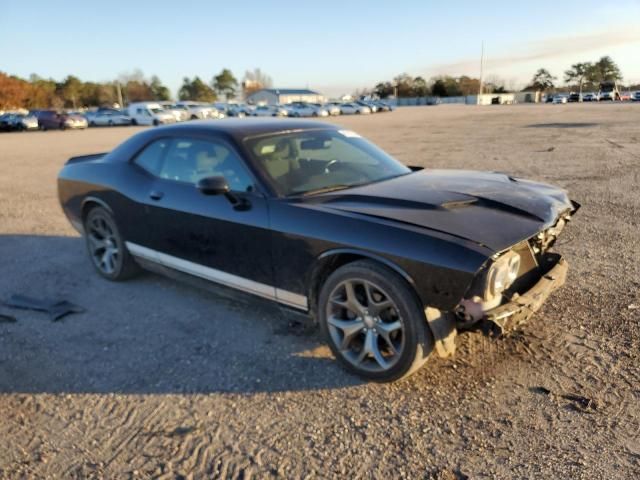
296	327
56	309
4	318
542	390
580	403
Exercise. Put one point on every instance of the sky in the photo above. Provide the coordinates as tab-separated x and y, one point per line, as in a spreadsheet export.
331	46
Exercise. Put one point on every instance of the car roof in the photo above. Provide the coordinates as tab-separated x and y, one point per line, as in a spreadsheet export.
248	127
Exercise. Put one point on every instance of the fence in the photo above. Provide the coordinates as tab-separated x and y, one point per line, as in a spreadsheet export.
484	99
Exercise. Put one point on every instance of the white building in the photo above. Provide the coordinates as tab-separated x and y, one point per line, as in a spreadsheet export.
272	96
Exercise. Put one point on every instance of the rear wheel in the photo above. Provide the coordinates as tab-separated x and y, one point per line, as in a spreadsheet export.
106	247
373	323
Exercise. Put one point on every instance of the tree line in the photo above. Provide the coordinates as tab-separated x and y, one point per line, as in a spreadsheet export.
38	92
580	75
405	86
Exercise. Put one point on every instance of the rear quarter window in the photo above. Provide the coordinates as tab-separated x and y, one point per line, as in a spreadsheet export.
150	159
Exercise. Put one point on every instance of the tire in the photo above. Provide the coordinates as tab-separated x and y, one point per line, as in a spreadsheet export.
106	248
156	123
367	344
134	122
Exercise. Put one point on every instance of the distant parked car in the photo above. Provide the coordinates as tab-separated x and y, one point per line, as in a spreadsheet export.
110	118
303	109
270	111
51	119
222	109
149	113
609	91
333	109
239	110
574	97
180	112
353	108
200	111
18	121
368	103
635	96
590	97
559	99
383	106
4	122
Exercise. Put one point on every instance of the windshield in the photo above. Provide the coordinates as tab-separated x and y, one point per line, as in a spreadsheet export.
317	160
156	110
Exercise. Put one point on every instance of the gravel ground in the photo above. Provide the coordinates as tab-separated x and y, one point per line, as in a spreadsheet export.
164	380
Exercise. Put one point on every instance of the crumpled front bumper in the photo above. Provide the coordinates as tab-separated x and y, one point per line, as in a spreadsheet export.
521	307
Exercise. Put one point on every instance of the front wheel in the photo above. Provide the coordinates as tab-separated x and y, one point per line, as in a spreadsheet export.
373	322
106	247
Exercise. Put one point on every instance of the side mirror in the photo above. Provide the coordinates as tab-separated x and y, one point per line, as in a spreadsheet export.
213	186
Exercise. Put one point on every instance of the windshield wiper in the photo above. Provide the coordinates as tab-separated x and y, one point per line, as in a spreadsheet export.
331	188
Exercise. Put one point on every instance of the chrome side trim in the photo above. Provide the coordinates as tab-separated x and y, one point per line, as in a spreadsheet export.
292	299
142	252
218	276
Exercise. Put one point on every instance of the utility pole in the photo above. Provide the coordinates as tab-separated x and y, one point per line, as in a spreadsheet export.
481	72
119	94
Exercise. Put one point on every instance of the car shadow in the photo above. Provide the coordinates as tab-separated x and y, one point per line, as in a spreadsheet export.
147	335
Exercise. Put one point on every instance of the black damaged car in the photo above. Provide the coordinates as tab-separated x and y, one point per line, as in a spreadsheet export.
391	261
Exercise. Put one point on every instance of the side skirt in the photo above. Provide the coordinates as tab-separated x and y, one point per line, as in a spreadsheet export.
269	292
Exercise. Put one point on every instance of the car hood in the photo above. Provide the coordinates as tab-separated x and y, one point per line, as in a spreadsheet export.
491	209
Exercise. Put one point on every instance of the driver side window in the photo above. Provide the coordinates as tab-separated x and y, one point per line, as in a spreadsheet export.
191	160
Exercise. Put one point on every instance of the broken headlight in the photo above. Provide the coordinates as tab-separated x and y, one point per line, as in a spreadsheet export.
503	273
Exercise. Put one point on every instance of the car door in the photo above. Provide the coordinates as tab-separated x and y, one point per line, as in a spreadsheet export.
142	116
224	238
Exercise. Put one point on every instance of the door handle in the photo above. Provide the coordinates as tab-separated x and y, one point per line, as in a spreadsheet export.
155	195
